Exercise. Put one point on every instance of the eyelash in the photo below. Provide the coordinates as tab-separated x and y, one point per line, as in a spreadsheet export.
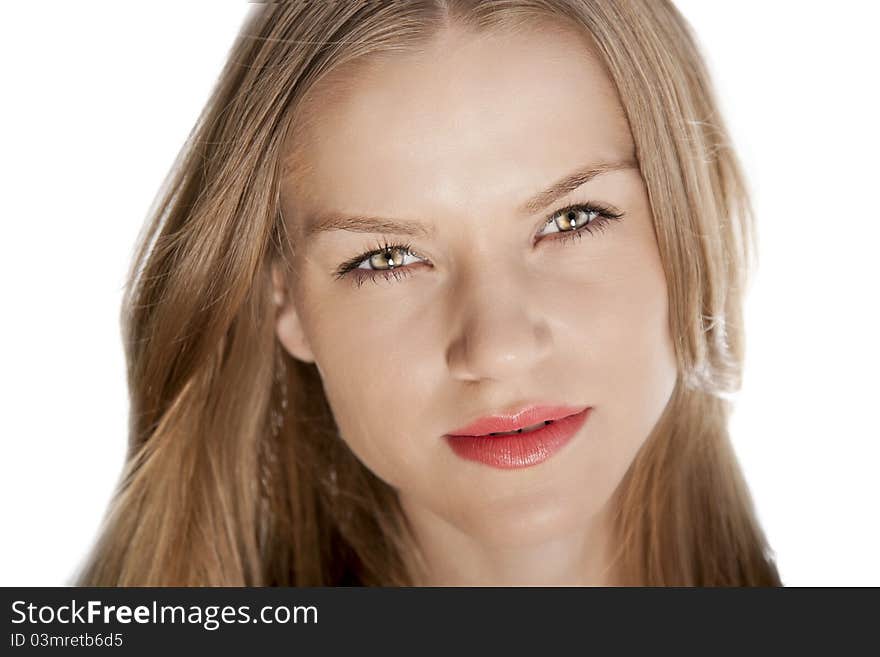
604	216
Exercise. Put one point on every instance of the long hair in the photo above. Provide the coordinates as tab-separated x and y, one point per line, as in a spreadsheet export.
223	488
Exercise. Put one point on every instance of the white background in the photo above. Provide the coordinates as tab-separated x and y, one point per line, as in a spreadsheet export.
98	98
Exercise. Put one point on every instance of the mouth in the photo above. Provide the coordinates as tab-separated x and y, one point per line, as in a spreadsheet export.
520	448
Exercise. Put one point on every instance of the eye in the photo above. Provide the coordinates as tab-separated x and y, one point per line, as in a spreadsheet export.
389	260
573	220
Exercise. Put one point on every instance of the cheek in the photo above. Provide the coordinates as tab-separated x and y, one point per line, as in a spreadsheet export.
634	355
370	359
611	302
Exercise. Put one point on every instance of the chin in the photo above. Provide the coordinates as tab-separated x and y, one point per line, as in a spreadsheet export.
528	521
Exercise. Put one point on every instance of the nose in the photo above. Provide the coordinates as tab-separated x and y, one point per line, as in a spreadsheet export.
501	331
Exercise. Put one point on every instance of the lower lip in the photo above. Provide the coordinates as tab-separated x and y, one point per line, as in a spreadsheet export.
519	450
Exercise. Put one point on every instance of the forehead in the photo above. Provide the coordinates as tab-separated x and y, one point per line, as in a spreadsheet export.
476	120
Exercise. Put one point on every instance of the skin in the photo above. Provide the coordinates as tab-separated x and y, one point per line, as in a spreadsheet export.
491	315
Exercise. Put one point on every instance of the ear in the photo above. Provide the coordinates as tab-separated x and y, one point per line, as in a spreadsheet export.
288	327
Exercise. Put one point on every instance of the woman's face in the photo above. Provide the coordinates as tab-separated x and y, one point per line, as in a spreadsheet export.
490	309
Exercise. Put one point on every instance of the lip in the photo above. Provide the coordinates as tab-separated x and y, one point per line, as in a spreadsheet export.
519	450
524	417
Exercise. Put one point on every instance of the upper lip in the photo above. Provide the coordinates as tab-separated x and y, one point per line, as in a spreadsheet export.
511	421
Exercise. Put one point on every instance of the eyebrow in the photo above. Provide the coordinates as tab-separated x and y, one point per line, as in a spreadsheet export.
332	221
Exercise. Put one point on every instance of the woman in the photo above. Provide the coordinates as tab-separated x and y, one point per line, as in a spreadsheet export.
401	229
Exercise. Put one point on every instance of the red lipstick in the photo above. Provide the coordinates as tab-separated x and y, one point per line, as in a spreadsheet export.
531	446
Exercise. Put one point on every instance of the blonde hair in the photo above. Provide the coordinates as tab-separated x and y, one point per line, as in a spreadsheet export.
212	495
